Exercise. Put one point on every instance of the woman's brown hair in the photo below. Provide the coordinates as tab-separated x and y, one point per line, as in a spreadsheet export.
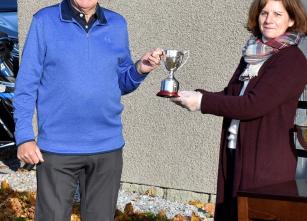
294	8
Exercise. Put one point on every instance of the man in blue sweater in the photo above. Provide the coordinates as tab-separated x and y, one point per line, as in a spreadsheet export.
75	67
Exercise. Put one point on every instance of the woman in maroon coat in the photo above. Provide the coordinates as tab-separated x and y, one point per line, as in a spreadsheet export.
259	104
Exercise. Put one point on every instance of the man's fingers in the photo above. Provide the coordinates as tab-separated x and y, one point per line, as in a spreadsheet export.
39	155
154	60
23	157
157	52
155	56
19	156
27	158
34	158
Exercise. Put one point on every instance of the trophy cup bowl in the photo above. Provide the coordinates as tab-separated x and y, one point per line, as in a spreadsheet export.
301	132
173	60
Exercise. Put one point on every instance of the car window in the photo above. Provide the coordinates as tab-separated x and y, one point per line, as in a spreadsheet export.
8	5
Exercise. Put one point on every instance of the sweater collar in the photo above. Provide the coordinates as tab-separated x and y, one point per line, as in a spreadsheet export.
66	12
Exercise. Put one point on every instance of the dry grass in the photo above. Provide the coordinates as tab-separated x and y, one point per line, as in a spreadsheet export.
20	206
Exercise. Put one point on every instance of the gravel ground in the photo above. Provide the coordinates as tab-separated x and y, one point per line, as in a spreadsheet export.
26	181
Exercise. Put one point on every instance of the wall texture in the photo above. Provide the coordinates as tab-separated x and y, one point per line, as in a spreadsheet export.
167	146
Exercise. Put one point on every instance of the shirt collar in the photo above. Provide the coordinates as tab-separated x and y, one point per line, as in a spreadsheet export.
67	12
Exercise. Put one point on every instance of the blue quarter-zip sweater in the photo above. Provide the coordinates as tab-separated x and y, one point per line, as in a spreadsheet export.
75	80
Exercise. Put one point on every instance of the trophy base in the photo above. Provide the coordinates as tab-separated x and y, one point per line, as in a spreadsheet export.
167	94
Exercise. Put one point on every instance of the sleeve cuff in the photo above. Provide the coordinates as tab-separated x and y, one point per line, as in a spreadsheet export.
202	103
135	75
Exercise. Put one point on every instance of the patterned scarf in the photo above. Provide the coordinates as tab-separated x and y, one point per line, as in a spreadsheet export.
255	51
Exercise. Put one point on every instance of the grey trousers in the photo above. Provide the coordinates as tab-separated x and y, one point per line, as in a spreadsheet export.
57	177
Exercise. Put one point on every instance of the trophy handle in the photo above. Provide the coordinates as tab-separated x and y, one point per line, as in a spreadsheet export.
187	58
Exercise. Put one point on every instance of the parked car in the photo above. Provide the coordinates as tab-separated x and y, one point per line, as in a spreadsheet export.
8	18
9	64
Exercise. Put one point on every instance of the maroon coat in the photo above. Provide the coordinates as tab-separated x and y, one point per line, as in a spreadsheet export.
265	151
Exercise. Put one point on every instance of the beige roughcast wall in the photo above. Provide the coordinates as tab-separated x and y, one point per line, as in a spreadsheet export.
167	146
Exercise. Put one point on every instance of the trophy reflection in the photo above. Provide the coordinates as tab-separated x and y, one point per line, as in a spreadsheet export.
301	132
173	61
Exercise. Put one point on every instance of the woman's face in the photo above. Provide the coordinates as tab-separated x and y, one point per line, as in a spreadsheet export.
274	20
86	4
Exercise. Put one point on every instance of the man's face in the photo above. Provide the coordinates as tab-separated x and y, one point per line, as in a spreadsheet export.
86	4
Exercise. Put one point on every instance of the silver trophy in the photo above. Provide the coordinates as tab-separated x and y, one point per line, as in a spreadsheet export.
173	60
